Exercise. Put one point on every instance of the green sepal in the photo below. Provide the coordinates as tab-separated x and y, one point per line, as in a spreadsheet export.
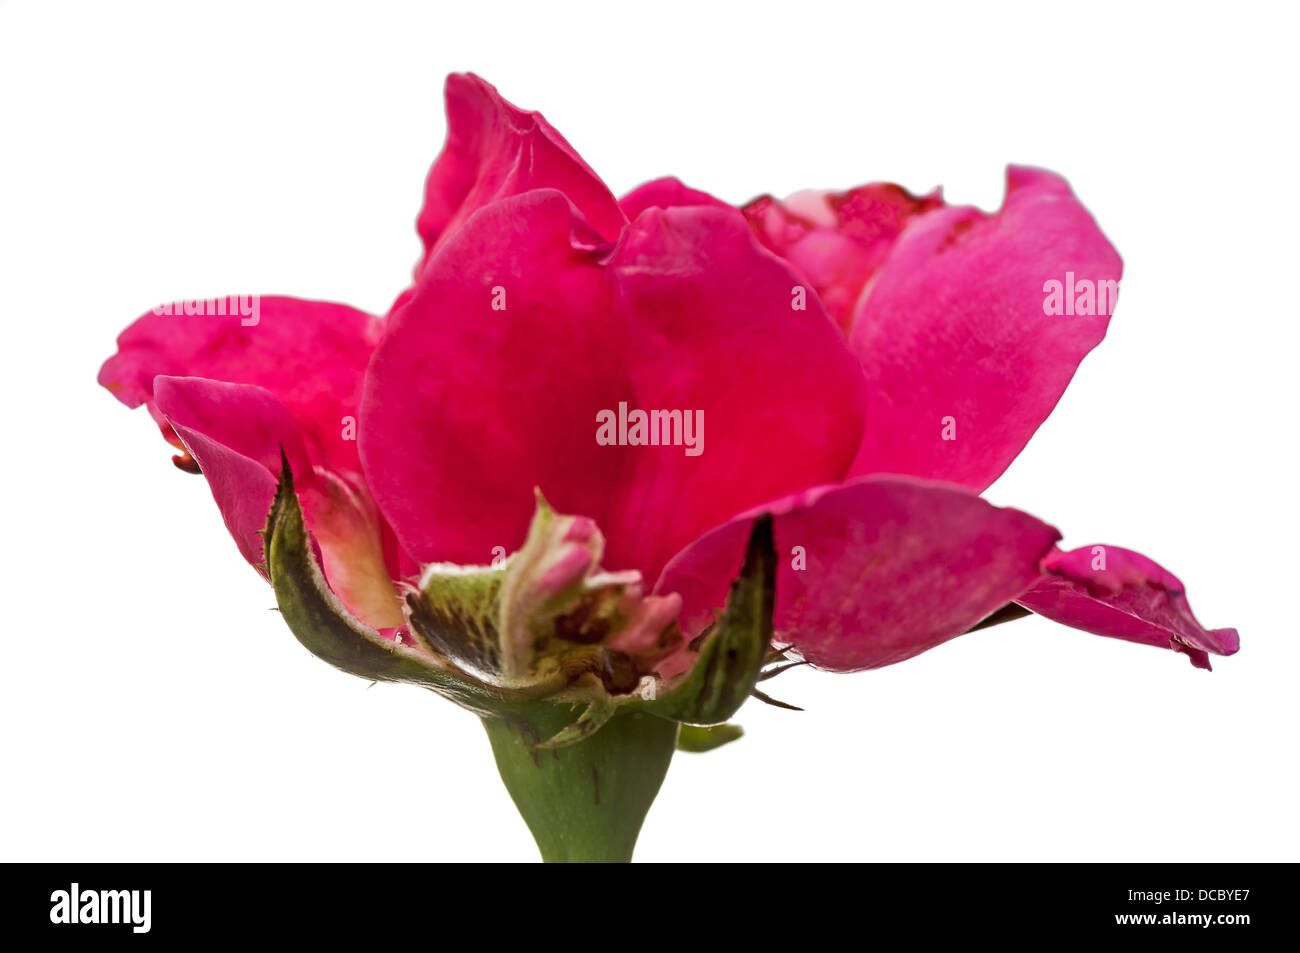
697	740
776	670
593	718
727	669
453	615
325	627
767	699
586	801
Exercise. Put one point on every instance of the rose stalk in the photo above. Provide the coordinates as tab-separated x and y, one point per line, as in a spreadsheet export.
490	491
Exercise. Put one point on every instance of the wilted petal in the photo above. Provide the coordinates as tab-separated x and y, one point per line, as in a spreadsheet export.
310	354
837	240
961	360
871	572
237	433
495	149
1116	592
494	378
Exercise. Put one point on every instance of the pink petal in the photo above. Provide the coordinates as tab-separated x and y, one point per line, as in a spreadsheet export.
961	360
892	567
495	149
837	240
310	354
468	407
236	433
667	192
1116	592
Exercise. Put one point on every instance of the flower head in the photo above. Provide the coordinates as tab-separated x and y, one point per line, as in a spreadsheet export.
864	363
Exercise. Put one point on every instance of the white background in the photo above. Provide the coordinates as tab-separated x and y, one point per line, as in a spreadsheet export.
152	707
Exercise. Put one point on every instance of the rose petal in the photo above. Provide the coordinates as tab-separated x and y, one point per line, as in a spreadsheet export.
961	361
891	567
667	192
236	433
837	240
468	406
310	354
1116	592
494	150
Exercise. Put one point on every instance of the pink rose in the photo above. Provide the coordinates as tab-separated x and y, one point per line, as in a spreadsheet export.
666	368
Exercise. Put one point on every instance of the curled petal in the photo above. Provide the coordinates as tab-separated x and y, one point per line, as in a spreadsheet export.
236	434
873	571
962	356
310	354
495	149
1116	592
239	434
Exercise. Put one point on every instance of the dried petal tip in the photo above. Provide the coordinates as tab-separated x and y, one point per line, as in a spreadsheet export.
183	461
1122	594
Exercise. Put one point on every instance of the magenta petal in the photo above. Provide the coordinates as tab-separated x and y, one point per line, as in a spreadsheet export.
962	361
310	354
891	567
467	409
237	433
494	150
667	192
837	240
1116	592
492	381
710	325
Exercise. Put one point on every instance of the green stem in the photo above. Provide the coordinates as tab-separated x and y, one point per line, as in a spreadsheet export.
584	802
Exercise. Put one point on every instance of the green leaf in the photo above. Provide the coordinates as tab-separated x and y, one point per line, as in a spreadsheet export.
587	801
725	673
320	621
696	739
